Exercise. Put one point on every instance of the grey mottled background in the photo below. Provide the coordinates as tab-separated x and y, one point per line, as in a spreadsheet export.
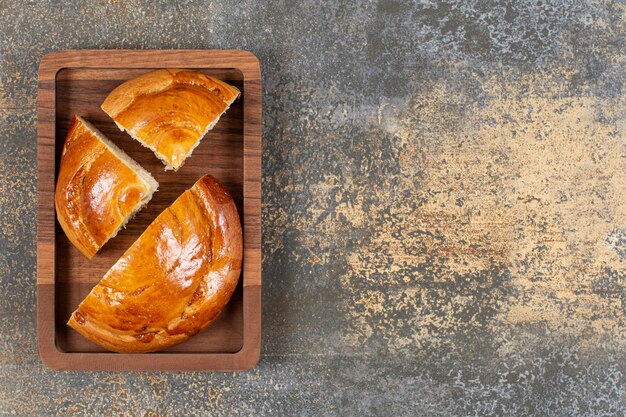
444	219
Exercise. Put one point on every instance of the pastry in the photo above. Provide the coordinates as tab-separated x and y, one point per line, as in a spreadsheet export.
99	188
169	110
173	281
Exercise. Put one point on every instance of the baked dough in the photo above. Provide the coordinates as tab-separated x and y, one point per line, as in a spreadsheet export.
173	281
99	188
169	110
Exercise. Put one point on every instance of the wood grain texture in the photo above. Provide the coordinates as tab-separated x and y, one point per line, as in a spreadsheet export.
77	82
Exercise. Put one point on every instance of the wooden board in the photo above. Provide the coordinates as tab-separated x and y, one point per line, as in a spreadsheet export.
77	82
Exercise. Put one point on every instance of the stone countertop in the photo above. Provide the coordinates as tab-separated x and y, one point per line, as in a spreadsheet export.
444	219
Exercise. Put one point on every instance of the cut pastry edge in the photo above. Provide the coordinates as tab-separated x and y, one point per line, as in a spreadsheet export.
145	145
122	156
151	184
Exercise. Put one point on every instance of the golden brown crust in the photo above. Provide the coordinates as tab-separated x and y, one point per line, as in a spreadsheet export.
173	281
169	110
95	190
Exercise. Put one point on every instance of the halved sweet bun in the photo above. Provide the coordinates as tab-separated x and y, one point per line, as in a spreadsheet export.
169	111
173	281
99	188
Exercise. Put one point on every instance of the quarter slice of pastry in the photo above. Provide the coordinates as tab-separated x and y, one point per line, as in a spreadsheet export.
170	110
99	188
173	281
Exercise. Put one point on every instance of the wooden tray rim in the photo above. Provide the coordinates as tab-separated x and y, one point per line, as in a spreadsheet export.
49	66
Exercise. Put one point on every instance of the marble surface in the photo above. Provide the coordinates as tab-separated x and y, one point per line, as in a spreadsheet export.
444	219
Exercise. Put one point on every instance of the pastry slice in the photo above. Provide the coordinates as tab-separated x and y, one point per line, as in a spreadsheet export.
169	110
99	188
173	281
